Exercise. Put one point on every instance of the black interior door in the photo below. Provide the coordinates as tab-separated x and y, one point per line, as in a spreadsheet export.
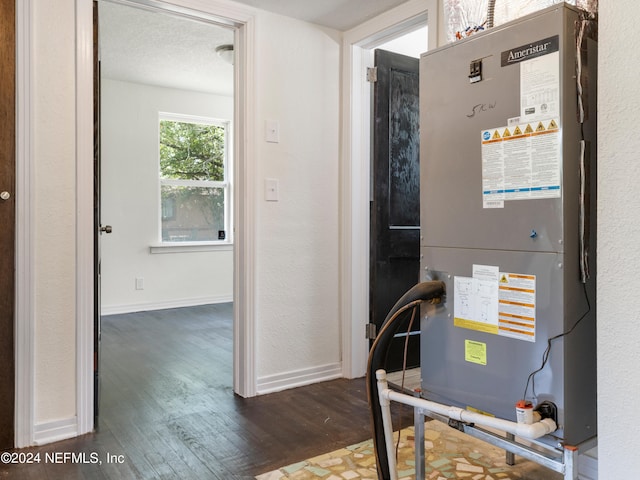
395	202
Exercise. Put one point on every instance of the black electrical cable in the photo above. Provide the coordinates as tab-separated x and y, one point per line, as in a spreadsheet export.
547	352
431	291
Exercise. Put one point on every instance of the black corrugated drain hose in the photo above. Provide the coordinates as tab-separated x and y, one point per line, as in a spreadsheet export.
423	292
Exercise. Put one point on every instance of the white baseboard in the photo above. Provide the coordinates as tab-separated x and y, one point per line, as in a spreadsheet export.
298	378
149	306
55	431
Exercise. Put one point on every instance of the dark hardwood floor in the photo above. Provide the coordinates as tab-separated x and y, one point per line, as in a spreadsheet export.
168	410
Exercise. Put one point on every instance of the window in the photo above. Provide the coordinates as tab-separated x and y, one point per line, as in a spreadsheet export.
194	185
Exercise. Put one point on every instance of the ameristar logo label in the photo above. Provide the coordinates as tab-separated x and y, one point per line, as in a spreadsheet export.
530	50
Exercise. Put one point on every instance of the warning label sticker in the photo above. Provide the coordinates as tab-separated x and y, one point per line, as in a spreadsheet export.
522	163
517	306
498	303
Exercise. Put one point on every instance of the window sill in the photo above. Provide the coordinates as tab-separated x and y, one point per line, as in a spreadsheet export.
190	247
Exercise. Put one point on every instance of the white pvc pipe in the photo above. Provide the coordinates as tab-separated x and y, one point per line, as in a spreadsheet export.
531	432
387	425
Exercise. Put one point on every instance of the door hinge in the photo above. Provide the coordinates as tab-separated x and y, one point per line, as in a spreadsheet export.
371	332
372	74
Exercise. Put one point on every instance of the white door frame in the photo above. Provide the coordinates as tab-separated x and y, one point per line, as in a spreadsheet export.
355	167
25	230
242	19
220	11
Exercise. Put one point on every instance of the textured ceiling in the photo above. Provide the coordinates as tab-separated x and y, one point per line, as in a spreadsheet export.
156	48
337	14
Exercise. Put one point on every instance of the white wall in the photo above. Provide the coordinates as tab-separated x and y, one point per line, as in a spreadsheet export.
298	335
413	44
55	261
618	240
130	204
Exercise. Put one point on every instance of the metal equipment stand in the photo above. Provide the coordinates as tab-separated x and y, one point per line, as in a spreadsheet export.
563	459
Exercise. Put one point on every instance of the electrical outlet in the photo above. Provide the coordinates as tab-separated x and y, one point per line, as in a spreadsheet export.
139	283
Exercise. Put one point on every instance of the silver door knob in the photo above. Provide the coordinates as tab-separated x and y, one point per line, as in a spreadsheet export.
106	229
5	195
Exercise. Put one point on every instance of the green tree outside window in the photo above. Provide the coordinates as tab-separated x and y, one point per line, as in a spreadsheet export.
193	182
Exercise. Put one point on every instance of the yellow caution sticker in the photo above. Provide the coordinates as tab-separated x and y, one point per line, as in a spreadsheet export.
506	133
540	127
481	412
496	135
517	131
475	352
529	129
552	125
475	325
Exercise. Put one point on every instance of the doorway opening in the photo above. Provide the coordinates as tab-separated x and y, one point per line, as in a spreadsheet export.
395	190
358	46
165	183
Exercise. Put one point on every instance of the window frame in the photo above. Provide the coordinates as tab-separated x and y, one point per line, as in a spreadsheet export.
163	246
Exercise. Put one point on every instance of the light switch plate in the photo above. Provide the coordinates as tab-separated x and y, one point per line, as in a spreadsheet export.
272	131
271	189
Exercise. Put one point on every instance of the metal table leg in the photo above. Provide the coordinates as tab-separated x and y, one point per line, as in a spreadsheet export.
511	458
570	463
418	421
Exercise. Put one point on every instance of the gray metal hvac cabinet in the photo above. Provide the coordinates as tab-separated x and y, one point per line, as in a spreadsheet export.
507	212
